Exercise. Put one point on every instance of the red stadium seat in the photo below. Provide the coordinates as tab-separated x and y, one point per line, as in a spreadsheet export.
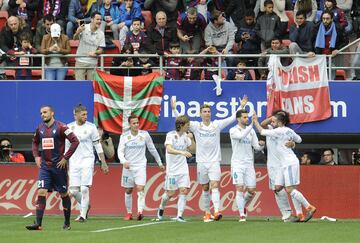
286	42
148	17
71	61
340	74
290	15
3	18
116	50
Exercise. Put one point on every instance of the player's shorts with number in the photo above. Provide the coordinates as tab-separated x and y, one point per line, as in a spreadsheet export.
53	178
132	177
244	176
208	171
174	182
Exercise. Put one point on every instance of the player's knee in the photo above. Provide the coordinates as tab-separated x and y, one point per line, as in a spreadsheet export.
278	188
289	189
42	192
183	191
74	190
128	190
140	188
84	190
170	193
205	187
214	184
63	194
251	191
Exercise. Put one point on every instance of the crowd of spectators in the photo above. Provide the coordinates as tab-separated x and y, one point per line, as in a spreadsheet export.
192	26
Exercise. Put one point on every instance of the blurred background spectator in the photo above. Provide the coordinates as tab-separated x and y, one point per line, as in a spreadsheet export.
328	157
7	154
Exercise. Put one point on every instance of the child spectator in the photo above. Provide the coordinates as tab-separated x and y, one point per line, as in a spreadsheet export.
111	18
192	73
175	73
241	73
124	61
135	37
144	62
267	25
211	63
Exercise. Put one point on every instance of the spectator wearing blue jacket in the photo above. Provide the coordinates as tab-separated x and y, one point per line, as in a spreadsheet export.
129	10
110	18
79	13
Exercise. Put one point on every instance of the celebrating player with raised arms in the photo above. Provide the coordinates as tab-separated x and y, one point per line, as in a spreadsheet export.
81	164
289	175
131	152
50	138
208	155
179	145
243	142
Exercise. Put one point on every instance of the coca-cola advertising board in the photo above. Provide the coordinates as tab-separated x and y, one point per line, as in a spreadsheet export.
329	188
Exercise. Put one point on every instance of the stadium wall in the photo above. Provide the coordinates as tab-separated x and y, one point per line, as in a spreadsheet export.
335	191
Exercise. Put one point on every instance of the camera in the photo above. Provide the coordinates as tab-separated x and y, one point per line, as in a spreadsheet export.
356	158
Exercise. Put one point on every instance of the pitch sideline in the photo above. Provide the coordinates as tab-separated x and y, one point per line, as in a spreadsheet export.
130	226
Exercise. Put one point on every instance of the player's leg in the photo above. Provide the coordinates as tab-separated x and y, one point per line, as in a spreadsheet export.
140	181
86	182
60	178
203	179
74	185
250	183
170	187
214	176
183	182
127	182
238	181
44	184
281	197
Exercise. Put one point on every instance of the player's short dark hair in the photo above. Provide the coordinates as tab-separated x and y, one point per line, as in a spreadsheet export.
249	13
301	12
49	106
49	18
240	112
329	149
135	19
283	117
181	121
205	106
191	11
79	107
267	2
132	117
93	14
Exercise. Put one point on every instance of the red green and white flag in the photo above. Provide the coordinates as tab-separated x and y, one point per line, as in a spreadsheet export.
117	97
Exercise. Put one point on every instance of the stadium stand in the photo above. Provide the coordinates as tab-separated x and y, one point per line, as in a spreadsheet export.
148	18
3	18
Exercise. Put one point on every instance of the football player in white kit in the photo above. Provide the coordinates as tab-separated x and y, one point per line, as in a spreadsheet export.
179	146
208	155
243	142
131	152
81	164
273	167
289	175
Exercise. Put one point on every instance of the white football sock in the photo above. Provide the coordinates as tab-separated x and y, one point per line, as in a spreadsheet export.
181	205
75	192
240	201
215	197
282	200
128	202
206	201
300	198
247	197
164	199
141	201
85	200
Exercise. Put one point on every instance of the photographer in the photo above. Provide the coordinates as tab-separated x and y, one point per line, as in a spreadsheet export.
6	153
356	157
107	145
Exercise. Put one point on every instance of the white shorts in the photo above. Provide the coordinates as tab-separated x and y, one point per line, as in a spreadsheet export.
209	171
130	178
273	174
174	182
80	176
244	176
288	176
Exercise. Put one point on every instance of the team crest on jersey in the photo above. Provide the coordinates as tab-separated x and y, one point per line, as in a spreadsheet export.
54	131
42	132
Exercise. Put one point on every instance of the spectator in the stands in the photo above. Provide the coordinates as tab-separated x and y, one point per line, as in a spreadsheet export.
279	9
190	30
91	44
173	64
55	43
10	34
346	6
125	62
43	29
301	35
160	35
111	18
107	145
235	10
276	48
144	63
80	12
355	13
268	25
4	5
7	154
24	9
135	36
241	73
200	5
56	8
310	158
308	6
211	63
21	59
129	10
328	157
329	36
169	7
339	14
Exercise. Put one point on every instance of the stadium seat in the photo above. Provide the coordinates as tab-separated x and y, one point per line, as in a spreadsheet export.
290	15
148	18
3	18
340	74
71	61
10	74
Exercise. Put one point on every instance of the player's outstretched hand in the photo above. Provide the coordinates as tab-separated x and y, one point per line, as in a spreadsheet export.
290	144
105	168
173	103
62	164
187	154
243	101
162	168
261	142
255	118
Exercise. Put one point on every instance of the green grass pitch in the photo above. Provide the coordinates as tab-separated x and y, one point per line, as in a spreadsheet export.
12	229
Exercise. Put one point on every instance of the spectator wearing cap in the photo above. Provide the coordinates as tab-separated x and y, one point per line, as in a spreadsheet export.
55	43
190	30
7	154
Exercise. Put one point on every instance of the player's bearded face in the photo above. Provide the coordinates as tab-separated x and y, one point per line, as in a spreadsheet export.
244	119
46	114
81	117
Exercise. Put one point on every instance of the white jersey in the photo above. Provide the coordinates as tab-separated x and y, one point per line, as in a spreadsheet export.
87	134
273	157
243	141
282	135
177	164
208	139
132	149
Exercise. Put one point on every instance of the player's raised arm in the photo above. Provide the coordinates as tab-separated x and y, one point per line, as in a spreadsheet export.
239	134
227	121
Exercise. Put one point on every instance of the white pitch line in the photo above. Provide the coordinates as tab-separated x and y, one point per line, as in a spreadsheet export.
129	226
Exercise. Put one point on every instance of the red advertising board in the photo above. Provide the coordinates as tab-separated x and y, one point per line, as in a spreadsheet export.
335	191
